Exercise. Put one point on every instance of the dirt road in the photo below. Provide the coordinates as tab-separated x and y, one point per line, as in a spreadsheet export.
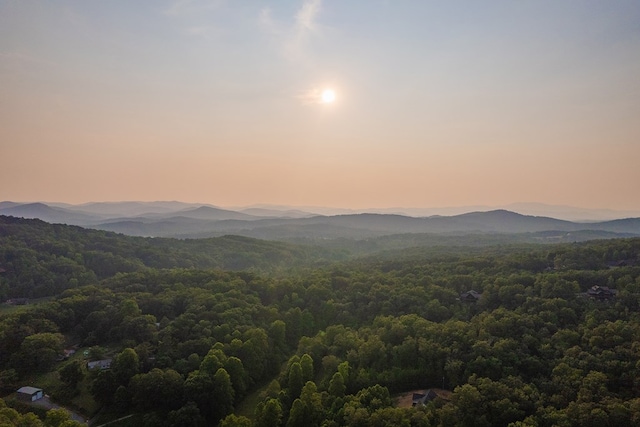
46	403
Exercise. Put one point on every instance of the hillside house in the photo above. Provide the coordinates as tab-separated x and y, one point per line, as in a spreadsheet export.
66	353
622	263
420	399
470	296
99	364
601	293
30	394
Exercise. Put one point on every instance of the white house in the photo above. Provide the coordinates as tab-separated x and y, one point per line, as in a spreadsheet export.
99	364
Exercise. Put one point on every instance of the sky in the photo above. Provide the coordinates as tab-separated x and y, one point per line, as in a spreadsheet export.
437	103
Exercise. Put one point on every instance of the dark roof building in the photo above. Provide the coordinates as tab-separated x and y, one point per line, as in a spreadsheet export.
470	296
423	398
601	293
18	301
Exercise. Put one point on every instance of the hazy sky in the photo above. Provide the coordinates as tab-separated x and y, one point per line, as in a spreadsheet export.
438	103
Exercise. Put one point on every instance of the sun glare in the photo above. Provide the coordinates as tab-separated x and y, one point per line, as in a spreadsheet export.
328	96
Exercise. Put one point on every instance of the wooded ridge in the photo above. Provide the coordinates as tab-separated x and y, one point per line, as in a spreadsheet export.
328	341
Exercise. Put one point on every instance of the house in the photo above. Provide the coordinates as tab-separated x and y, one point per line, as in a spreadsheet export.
66	353
423	398
622	263
99	364
601	293
18	301
30	394
470	296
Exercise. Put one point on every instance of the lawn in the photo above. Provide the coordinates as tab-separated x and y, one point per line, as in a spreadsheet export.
83	402
247	407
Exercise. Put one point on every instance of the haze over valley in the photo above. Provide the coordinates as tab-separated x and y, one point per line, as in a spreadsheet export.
182	220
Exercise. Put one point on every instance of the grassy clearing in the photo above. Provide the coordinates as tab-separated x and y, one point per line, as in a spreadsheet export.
46	381
82	403
248	405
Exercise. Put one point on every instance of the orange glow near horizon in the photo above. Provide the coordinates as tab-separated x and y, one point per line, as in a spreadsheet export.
328	105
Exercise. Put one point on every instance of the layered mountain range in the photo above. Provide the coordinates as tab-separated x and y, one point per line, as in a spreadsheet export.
183	220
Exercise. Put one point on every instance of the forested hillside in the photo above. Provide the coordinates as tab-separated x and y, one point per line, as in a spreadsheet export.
43	259
333	345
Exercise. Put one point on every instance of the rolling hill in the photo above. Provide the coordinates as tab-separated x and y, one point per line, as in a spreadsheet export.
173	219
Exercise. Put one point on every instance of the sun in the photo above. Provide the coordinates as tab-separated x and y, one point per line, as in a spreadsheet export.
328	96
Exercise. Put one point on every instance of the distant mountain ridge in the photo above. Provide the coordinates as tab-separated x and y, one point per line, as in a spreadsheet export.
175	219
275	213
568	213
48	213
214	214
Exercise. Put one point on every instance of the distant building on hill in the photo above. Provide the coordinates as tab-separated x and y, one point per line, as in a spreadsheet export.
18	301
66	353
100	364
621	263
420	399
601	293
30	394
470	296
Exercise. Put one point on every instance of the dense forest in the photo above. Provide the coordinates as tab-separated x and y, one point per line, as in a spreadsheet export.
296	335
43	259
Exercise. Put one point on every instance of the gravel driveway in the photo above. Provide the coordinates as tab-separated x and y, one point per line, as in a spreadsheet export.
46	403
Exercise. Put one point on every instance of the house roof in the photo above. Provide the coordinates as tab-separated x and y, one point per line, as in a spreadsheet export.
104	363
470	295
422	398
29	390
601	290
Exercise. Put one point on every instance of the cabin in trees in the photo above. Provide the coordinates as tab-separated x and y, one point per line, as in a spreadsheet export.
470	296
601	293
100	364
18	301
420	399
66	353
622	263
30	394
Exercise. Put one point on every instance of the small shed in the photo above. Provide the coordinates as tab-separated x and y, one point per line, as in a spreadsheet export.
30	394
